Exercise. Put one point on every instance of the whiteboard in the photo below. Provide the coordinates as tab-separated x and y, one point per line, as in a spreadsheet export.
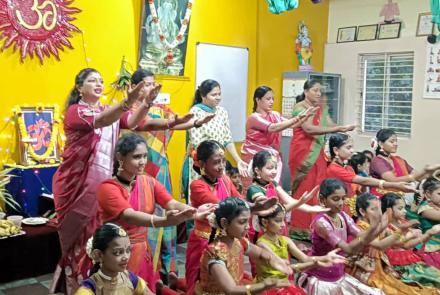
229	66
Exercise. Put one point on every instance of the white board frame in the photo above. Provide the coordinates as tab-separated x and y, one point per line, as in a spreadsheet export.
228	65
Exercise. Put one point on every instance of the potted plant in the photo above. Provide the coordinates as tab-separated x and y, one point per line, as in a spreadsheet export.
5	196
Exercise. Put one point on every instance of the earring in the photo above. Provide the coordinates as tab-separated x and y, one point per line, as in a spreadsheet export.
121	164
202	171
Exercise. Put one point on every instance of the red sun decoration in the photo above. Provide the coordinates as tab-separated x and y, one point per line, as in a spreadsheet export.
39	27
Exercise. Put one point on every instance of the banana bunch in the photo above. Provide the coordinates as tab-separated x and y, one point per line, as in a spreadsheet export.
8	228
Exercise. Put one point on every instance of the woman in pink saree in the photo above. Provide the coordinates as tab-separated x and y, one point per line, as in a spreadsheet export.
91	130
263	130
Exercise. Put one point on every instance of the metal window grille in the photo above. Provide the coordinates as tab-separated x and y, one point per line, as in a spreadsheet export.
386	92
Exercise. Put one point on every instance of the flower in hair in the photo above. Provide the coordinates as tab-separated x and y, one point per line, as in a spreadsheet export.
193	155
89	248
374	143
212	220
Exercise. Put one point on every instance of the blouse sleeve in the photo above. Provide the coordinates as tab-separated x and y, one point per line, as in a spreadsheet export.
379	167
79	118
85	291
161	195
343	174
141	287
201	194
252	191
352	228
111	200
257	122
325	230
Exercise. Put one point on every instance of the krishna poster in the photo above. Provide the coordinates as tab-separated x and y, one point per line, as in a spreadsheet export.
164	36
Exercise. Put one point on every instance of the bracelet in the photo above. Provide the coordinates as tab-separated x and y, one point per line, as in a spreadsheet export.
248	289
125	105
295	267
381	182
314	260
197	125
152	221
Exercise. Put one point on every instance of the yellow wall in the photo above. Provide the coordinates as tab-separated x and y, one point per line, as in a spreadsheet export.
276	42
111	30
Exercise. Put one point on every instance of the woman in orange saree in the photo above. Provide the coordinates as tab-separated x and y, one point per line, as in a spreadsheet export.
307	161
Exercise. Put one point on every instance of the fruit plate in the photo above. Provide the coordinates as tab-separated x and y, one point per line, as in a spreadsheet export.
34	221
15	235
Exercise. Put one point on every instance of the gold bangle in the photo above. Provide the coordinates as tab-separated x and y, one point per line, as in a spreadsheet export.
248	289
295	267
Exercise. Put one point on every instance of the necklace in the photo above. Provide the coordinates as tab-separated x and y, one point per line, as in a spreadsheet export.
210	181
335	220
125	183
106	277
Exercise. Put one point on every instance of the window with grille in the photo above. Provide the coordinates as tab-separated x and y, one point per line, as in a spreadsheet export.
386	91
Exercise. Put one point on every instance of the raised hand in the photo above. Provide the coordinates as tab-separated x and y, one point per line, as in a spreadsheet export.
432	168
176	120
204	210
331	258
243	168
176	217
434	230
152	92
307	196
307	113
264	206
136	93
205	119
404	226
406	187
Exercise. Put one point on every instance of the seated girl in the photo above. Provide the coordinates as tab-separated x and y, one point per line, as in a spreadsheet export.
360	164
404	260
371	266
330	231
341	151
429	215
273	241
110	251
222	262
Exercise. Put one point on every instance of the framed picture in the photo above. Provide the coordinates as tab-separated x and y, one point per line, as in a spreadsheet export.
389	31
161	26
366	33
347	34
425	26
38	125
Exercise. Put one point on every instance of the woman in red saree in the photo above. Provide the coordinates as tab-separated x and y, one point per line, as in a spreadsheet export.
307	160
393	168
129	200
91	130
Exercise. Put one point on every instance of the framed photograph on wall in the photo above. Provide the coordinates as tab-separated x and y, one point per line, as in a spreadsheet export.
347	34
389	31
425	26
366	33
